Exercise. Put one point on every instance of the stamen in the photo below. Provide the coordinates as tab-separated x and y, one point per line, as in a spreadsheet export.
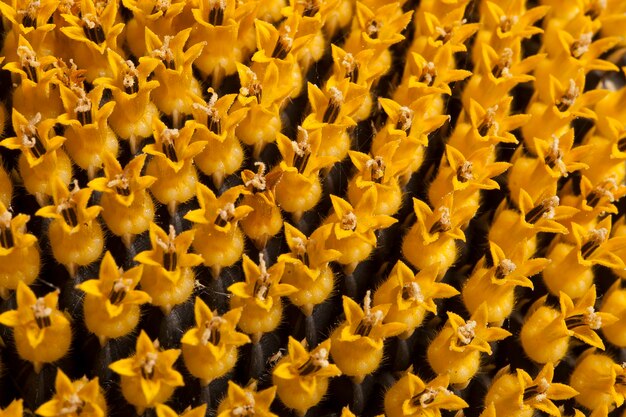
263	283
569	97
373	28
148	365
581	45
464	172
72	405
168	137
258	182
589	318
554	157
603	190
505	268
42	313
405	119
507	23
545	209
161	6
334	105
503	67
311	8
412	291
467	332
119	290
211	331
443	224
83	106
225	215
302	149
429	74
6	234
377	169
165	54
246	410
317	361
595	9
351	67
349	221
30	137
93	29
300	250
130	77
369	319
254	87
30	14
216	12
283	44
595	239
170	258
536	392
121	184
488	122
29	62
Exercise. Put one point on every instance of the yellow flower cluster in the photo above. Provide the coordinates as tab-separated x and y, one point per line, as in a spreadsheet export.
252	206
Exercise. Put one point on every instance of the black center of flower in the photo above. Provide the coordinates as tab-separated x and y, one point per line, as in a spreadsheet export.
69	215
353	74
536	213
308	367
43	322
577	320
117	295
94	32
170	261
216	15
621	144
132	88
373	28
31	72
37	148
29	21
531	392
446	35
589	248
214	335
262	288
6	237
332	112
214	124
301	161
281	50
123	191
483	129
84	117
364	328
170	151
311	8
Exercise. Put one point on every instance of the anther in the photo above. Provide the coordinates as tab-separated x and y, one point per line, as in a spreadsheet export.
595	239
302	150
42	313
443	224
569	97
93	29
369	319
503	67
545	209
429	74
168	136
334	105
377	169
